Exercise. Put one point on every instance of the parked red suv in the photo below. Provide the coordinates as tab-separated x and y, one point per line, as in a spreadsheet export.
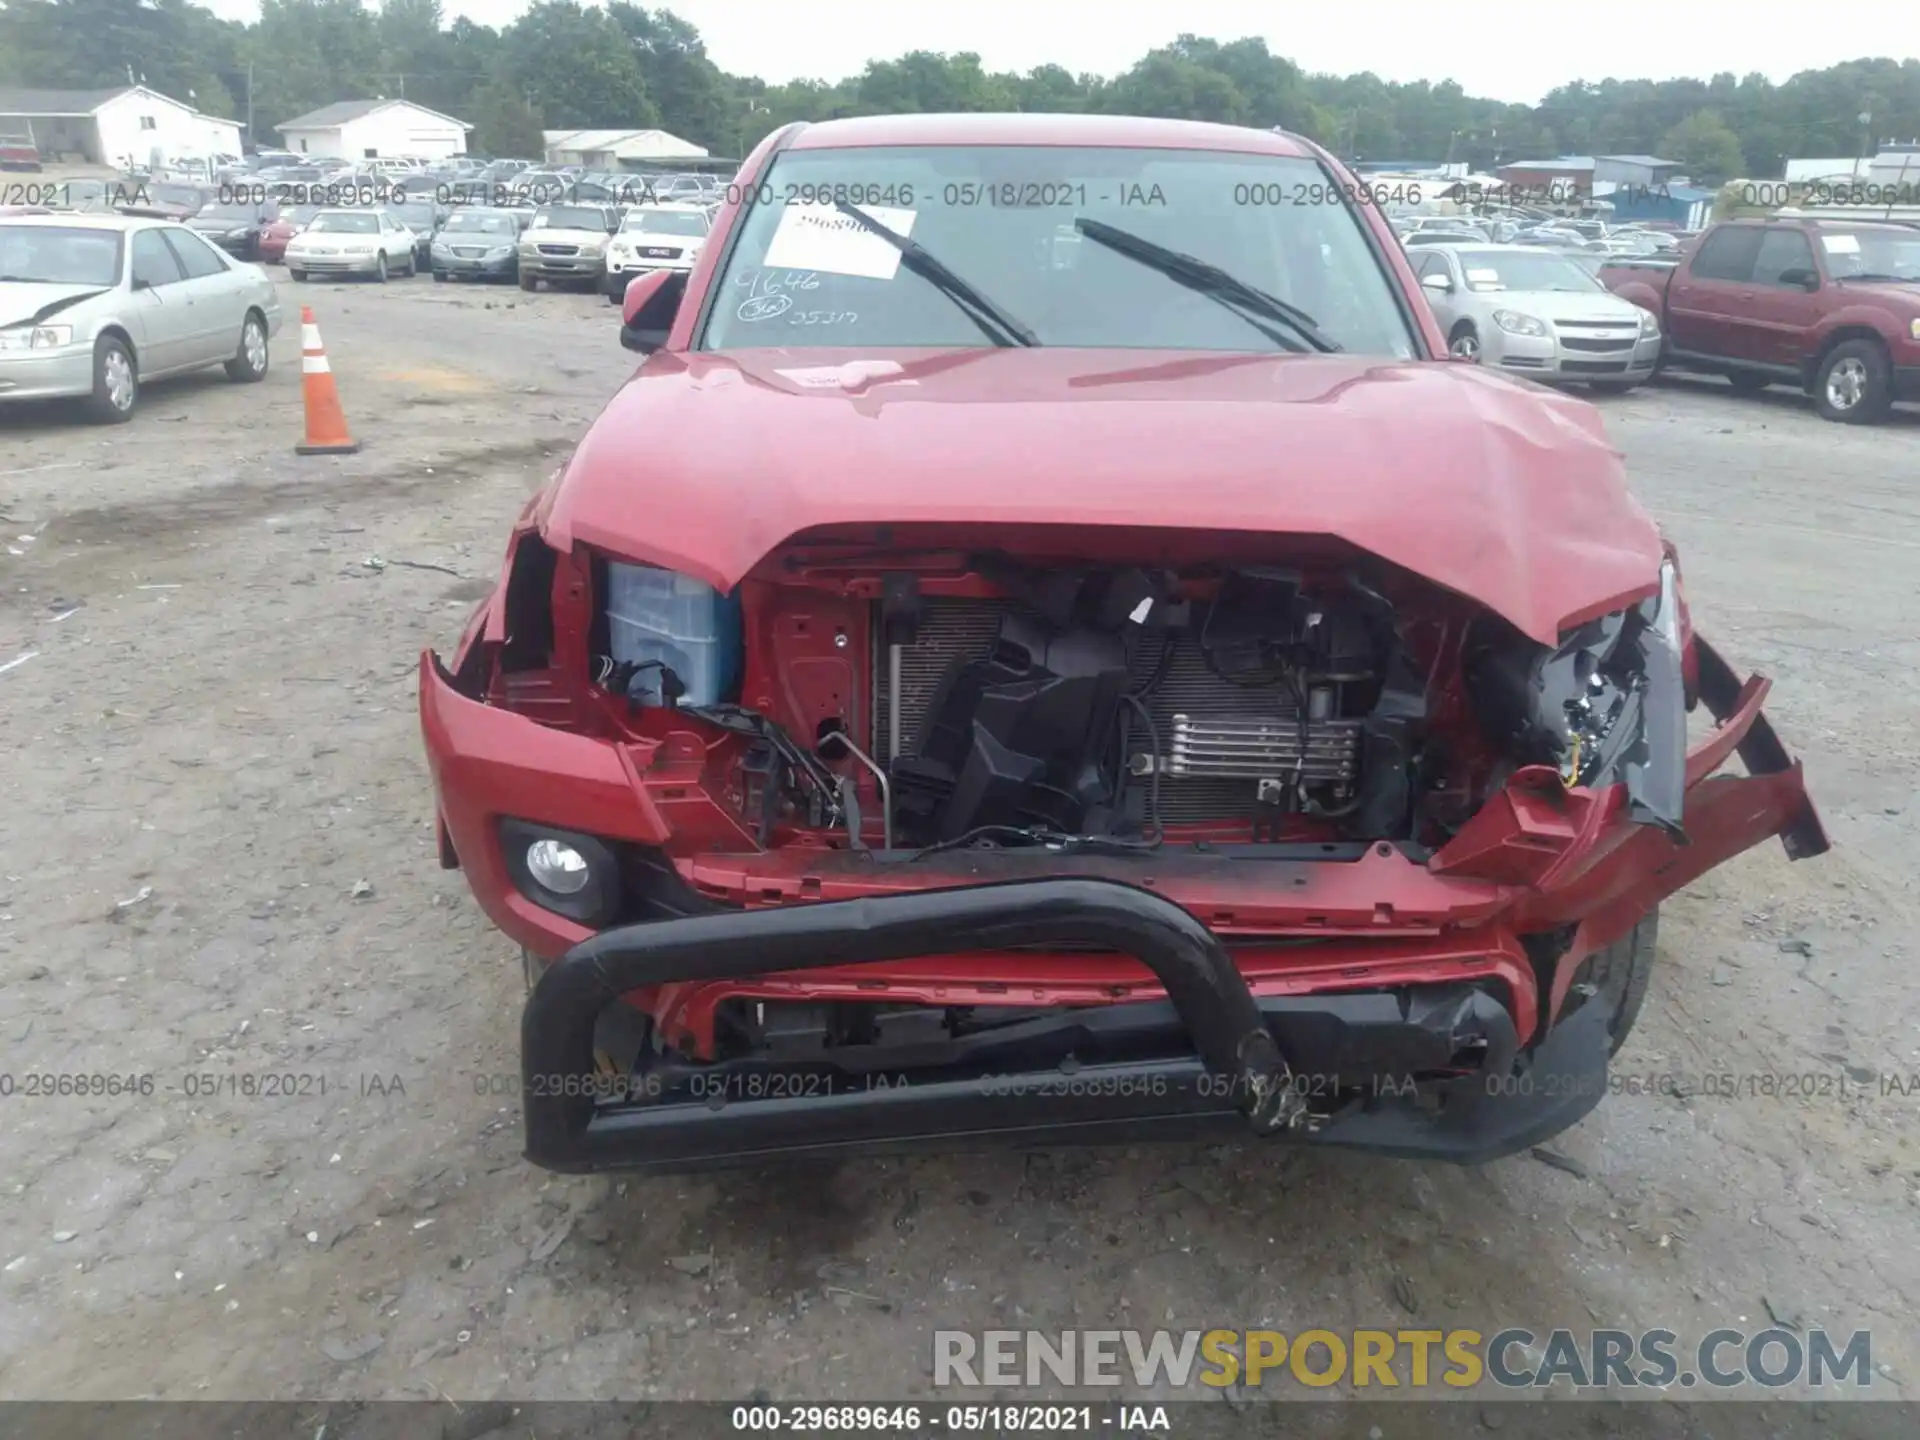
1830	306
18	152
1048	648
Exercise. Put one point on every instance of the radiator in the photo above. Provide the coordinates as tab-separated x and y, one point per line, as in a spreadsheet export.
1202	720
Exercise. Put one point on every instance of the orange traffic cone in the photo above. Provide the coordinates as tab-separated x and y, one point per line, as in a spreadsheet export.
326	423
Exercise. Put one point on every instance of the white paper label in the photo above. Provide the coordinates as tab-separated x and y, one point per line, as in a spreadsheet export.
853	375
1483	277
820	237
1841	244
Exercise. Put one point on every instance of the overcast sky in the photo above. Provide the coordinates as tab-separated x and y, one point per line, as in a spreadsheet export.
1513	50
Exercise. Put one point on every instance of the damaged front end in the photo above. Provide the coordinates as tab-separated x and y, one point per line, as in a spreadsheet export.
1607	706
923	836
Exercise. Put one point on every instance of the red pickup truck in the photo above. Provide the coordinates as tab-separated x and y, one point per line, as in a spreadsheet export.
917	683
1832	306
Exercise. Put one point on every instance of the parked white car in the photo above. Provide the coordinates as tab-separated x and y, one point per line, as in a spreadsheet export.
352	242
1533	312
654	237
93	306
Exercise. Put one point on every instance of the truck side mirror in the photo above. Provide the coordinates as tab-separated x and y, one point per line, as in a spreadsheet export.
652	300
1801	276
1439	284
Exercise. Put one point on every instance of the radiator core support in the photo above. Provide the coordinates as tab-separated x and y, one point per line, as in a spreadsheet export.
1223	746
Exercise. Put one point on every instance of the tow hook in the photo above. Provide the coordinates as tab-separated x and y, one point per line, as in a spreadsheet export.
1277	1107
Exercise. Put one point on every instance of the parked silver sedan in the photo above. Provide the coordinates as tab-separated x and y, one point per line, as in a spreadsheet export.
93	306
1532	312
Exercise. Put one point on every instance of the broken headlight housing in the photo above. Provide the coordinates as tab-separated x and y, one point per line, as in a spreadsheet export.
1606	706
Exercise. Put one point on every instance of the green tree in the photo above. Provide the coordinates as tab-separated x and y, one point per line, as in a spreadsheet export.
581	65
504	123
686	87
418	52
1052	89
309	53
1169	83
922	82
628	66
1705	146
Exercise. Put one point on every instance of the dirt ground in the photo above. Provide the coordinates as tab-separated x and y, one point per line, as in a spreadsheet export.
217	860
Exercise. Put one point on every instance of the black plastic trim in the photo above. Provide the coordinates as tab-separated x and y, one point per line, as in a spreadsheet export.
1500	1110
1760	750
1211	996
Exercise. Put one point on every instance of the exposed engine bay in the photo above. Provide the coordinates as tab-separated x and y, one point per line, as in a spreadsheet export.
1113	705
1003	703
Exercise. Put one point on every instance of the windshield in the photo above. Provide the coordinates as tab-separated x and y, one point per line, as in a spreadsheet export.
417	217
1002	218
666	222
301	215
229	211
175	195
570	217
480	225
346	224
50	255
1872	252
1523	270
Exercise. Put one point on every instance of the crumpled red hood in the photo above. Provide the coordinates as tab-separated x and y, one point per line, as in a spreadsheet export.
1502	491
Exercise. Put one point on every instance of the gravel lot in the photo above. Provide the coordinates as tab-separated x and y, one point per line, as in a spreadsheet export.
218	860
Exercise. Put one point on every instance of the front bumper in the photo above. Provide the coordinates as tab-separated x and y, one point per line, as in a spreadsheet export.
478	266
335	264
1336	1069
47	375
563	267
621	272
1560	357
1316	942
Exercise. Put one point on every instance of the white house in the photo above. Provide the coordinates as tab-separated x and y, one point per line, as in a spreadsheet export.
375	130
616	149
128	124
1895	166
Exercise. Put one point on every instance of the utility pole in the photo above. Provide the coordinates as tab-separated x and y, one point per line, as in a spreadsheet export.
250	137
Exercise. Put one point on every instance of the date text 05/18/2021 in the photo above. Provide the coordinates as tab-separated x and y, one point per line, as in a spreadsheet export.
902	1420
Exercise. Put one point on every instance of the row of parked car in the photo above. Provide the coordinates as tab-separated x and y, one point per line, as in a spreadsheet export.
429	224
1828	305
1574	235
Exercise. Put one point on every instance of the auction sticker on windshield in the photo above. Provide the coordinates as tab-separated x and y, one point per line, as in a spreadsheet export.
821	237
1841	244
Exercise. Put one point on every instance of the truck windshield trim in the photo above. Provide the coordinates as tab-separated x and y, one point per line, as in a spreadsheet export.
1010	219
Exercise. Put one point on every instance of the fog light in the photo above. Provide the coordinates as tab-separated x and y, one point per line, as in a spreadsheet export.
564	871
557	866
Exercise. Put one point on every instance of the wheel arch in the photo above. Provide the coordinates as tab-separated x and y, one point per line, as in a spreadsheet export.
1837	337
116	331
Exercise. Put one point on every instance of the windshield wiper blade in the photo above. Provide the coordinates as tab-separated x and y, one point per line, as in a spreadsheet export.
1207	279
1880	277
995	323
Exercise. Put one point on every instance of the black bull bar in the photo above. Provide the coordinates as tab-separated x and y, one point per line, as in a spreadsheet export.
1250	1089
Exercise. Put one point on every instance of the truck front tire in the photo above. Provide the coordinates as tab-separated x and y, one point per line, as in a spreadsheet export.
1855	383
